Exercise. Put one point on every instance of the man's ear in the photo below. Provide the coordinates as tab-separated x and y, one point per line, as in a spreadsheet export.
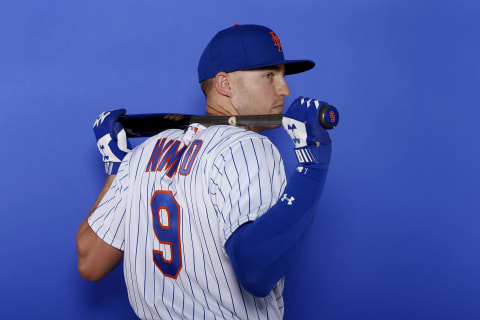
222	84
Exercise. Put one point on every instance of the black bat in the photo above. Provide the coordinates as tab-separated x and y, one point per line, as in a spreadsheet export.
147	125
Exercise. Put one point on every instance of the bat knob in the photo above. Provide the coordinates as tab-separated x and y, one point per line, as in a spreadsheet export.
329	117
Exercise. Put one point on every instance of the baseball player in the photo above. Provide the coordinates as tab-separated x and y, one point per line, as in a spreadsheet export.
204	218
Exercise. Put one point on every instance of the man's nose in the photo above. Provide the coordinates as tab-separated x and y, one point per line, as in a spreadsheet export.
282	88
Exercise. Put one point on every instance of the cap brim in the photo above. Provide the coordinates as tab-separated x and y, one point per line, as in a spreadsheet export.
297	66
291	67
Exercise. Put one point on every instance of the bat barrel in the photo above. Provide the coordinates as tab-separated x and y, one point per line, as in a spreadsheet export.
147	125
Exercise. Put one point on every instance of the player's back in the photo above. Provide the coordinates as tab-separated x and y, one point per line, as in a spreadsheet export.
187	191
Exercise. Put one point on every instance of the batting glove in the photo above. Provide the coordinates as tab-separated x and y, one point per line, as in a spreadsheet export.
302	123
111	139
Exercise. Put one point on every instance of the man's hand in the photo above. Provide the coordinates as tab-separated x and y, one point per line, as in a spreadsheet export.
312	142
111	139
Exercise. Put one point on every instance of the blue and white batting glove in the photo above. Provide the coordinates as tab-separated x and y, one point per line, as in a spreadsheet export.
111	139
312	142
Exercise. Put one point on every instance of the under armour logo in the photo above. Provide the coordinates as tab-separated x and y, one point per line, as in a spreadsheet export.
276	41
294	138
100	118
290	200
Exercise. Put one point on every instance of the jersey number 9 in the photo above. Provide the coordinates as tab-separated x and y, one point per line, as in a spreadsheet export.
167	233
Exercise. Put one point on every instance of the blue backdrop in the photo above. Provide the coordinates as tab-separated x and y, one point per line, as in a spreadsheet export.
397	235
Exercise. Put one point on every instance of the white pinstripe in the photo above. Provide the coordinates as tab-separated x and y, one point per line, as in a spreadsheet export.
236	177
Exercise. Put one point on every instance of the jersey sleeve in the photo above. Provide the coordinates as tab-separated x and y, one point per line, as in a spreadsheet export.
108	219
247	179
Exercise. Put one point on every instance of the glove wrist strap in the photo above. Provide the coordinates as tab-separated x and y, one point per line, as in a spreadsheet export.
312	154
111	167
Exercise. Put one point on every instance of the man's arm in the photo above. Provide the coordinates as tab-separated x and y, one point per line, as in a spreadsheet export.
96	258
263	251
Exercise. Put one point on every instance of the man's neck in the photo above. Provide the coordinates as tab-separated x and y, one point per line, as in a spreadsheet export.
214	108
224	108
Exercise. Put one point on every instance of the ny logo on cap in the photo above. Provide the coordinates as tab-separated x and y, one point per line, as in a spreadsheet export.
276	41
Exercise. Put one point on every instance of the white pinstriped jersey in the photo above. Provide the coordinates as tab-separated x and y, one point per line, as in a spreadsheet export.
176	200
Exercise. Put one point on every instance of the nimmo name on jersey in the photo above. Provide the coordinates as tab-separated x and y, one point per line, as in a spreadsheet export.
166	156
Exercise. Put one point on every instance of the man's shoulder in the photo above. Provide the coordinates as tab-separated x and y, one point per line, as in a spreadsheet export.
215	139
222	136
224	142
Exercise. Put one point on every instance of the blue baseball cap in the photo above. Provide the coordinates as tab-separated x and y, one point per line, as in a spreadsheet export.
245	47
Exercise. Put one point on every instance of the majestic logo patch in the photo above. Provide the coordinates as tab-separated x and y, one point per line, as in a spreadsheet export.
276	41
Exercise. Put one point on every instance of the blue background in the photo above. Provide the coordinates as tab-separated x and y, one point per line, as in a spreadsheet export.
397	235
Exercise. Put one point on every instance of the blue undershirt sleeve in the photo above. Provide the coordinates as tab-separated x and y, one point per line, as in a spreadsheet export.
262	251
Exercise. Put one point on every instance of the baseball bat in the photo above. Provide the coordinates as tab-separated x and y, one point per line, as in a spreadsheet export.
147	125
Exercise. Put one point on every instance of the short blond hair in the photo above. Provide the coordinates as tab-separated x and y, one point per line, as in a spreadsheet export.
207	86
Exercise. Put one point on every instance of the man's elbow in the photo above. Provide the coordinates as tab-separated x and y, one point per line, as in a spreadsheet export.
95	257
90	263
88	271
